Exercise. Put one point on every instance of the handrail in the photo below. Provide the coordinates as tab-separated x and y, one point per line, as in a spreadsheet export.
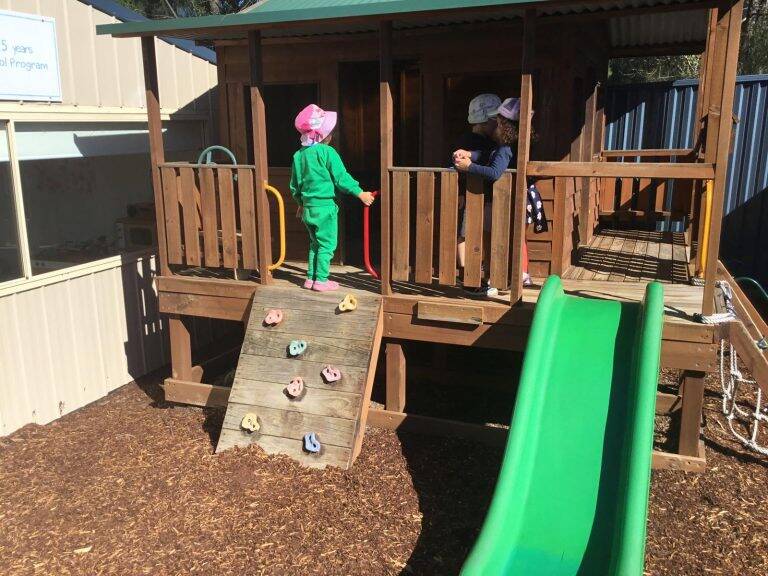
367	239
433	169
704	248
281	217
209	156
659	152
217	166
623	170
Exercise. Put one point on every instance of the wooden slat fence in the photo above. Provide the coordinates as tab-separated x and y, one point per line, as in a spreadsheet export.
426	224
644	200
210	214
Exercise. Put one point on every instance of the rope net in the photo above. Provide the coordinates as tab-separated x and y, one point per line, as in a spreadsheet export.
733	382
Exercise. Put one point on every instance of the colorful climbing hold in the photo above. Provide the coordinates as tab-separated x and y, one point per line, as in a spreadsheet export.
295	389
311	443
330	374
250	423
297	347
273	317
348	304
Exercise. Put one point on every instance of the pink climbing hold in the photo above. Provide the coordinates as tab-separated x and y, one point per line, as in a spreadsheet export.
331	374
295	389
273	317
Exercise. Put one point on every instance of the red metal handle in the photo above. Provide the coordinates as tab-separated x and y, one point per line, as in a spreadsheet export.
367	239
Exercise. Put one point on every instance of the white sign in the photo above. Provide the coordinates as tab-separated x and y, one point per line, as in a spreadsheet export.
29	58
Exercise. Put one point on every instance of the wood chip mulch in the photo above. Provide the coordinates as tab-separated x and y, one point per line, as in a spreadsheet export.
130	485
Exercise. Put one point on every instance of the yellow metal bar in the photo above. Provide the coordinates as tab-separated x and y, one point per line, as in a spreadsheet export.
281	216
707	228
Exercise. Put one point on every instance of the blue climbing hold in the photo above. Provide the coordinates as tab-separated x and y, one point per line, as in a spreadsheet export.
311	443
297	347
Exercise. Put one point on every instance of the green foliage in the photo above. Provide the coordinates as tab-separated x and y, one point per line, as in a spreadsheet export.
652	69
753	56
184	8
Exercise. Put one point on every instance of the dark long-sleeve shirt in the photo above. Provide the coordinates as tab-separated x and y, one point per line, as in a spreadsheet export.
498	162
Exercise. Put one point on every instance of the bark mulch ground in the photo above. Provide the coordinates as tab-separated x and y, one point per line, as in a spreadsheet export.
130	486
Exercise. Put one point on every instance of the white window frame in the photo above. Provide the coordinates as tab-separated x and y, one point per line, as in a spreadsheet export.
18	203
29	280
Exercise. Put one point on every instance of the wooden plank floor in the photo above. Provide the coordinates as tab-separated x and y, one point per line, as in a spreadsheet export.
632	256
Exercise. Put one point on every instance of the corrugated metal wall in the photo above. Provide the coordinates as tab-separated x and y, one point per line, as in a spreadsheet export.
69	343
661	115
107	72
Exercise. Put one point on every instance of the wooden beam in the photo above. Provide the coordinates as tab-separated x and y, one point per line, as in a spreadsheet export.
396	377
705	74
668	461
587	149
730	20
181	350
195	393
369	378
622	170
259	127
745	310
523	151
667	49
386	120
690	421
156	151
497	436
754	359
401	422
658	152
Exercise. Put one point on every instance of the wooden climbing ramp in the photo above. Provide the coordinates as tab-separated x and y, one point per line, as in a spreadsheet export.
296	344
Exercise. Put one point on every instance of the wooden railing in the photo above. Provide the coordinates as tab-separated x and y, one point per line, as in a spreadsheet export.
629	175
425	227
647	199
210	215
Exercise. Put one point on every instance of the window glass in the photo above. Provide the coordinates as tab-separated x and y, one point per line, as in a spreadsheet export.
10	256
88	190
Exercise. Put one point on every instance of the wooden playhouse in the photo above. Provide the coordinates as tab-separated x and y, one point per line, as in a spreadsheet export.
401	73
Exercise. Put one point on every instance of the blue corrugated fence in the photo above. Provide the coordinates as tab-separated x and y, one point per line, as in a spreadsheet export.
662	115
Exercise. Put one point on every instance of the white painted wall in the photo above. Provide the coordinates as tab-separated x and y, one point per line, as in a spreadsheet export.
101	71
72	336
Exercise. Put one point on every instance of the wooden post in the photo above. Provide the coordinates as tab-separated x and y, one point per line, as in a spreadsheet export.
692	392
395	399
386	118
587	147
259	125
705	75
727	53
703	119
181	348
523	150
156	151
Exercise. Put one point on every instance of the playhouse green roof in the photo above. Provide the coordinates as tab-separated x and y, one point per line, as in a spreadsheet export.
314	17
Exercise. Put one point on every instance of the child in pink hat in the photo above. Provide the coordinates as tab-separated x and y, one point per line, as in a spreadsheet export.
317	174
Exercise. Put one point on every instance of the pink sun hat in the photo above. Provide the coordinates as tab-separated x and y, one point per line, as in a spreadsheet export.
314	124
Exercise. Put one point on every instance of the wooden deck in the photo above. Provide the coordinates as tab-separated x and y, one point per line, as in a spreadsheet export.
632	256
682	300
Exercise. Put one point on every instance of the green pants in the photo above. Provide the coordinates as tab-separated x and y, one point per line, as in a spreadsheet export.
323	227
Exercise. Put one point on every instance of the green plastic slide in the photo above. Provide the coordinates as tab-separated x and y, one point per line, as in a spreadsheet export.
572	494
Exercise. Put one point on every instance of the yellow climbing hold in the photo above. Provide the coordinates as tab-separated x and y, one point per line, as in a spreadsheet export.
250	422
349	303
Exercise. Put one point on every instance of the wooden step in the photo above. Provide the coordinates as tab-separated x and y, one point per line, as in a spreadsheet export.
335	412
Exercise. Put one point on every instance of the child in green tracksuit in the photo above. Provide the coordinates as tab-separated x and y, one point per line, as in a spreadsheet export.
317	173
